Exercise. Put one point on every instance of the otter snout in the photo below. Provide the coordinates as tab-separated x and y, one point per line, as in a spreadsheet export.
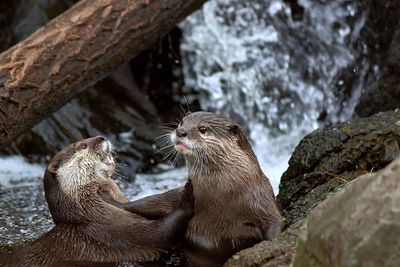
180	139
105	144
181	132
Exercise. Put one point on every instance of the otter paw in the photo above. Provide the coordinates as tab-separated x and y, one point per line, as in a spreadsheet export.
187	199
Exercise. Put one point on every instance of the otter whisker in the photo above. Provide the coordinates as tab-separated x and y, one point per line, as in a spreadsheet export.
175	156
182	112
171	152
167	128
163	148
121	178
163	138
162	142
120	164
115	154
166	135
187	104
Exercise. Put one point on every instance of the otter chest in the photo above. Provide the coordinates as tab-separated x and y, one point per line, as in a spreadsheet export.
203	241
209	232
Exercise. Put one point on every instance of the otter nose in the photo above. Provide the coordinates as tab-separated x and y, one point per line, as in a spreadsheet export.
180	132
101	138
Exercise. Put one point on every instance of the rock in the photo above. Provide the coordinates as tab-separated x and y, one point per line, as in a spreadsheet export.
274	253
381	36
6	10
385	94
329	158
358	226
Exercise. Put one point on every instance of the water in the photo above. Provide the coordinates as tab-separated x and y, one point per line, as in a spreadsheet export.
280	77
16	169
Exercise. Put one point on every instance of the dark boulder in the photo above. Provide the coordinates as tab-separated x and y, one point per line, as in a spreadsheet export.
381	36
329	158
385	93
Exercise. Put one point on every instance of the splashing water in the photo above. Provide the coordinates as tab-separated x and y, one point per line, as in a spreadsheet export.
279	77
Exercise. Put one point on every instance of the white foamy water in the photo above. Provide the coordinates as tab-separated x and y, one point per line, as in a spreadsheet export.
15	169
274	153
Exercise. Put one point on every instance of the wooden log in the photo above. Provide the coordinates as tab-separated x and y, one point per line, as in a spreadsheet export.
75	50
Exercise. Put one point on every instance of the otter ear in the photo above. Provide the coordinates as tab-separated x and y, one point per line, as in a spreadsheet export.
234	129
241	137
53	167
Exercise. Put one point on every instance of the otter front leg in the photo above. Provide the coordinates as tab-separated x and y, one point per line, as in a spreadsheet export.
153	207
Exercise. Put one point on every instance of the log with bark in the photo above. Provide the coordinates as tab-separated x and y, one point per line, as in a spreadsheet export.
74	51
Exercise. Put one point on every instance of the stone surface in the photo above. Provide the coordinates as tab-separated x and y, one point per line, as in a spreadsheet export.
328	158
275	253
381	37
357	226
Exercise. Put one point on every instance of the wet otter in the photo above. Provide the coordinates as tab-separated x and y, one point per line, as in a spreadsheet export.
235	207
87	229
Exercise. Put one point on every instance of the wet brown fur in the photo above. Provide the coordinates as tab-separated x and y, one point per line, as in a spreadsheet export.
234	203
88	229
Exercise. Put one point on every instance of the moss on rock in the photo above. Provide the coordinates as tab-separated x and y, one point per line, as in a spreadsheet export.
328	158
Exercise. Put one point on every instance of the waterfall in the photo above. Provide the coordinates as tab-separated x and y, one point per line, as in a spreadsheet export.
278	75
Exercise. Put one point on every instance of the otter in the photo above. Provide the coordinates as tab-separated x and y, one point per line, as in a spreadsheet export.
234	207
88	229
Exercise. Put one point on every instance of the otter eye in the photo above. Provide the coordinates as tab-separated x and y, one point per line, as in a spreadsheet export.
202	129
83	146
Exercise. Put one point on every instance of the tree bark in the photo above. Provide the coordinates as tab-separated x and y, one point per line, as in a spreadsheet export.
74	51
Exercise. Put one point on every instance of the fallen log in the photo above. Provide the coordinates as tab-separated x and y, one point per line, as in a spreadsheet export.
75	50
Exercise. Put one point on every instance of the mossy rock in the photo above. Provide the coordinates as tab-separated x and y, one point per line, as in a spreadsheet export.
329	158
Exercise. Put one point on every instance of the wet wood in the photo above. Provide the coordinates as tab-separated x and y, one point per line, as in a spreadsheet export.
74	51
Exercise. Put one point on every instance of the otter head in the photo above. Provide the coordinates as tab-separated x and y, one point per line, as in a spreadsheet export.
207	138
80	162
75	166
